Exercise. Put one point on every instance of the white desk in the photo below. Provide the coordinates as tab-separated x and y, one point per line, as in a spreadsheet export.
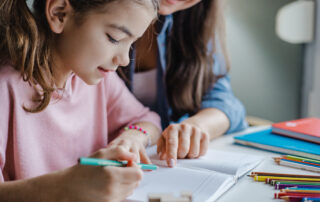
246	189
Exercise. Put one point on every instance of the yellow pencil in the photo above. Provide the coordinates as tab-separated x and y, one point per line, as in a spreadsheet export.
267	178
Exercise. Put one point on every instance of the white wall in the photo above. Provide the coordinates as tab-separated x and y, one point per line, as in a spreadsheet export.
266	72
311	81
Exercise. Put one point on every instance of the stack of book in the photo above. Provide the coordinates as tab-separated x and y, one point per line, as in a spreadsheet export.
307	129
299	137
291	187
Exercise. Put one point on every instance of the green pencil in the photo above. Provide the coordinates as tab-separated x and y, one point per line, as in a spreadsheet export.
105	162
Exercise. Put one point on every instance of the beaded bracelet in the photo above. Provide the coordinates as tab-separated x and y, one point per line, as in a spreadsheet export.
134	127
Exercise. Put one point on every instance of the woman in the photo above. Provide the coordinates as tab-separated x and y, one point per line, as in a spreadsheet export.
183	76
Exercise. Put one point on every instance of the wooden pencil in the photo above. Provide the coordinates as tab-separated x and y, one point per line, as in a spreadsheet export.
282	175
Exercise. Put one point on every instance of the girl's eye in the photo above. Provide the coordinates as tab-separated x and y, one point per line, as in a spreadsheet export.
112	40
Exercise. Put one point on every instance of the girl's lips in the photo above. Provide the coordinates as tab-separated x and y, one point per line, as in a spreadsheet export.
103	70
172	2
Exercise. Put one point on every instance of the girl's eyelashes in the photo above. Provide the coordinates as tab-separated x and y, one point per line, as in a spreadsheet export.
112	40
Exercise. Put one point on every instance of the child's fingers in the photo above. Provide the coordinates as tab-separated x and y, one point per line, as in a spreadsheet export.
172	145
125	175
204	143
135	150
115	153
195	143
184	140
144	157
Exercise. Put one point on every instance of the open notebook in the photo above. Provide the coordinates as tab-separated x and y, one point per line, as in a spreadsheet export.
207	178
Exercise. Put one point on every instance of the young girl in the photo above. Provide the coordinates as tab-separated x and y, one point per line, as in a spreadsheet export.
187	69
50	116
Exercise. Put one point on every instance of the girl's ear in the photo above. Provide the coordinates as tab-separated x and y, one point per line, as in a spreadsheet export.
57	13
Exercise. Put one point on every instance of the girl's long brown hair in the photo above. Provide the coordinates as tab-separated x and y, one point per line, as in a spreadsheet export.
26	41
190	61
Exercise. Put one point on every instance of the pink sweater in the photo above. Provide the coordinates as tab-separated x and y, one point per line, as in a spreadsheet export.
77	124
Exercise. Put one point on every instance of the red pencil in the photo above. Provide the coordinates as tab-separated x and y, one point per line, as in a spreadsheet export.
279	195
292	198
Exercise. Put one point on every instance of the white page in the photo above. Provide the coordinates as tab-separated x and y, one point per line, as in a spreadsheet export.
202	184
235	164
207	178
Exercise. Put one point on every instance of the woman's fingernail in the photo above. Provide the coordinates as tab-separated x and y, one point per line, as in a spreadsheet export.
172	162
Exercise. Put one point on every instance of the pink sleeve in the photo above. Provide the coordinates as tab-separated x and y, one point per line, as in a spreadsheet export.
123	108
4	122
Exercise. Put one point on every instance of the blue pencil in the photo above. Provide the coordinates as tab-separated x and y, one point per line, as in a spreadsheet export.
308	199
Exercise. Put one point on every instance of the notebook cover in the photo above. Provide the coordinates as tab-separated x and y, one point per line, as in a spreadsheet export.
307	126
265	139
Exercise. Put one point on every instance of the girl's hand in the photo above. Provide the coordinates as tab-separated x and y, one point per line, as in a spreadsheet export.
183	140
84	183
94	183
133	141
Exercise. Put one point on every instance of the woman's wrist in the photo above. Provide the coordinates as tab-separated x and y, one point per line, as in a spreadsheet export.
137	135
211	121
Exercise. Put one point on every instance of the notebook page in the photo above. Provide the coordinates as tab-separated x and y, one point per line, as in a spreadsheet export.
203	185
235	164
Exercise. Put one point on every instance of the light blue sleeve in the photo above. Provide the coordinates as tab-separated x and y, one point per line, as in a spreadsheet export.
221	97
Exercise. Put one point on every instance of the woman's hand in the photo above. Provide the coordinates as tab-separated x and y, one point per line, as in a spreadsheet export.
133	141
183	140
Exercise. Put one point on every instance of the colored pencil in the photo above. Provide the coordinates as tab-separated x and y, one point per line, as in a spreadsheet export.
274	182
303	188
293	198
301	191
268	178
281	194
282	175
307	199
299	161
279	159
302	159
298	182
104	162
293	164
283	186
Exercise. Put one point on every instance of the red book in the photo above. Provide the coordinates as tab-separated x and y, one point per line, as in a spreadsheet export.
307	129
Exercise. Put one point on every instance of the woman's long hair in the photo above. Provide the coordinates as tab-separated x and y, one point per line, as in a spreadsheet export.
26	41
190	56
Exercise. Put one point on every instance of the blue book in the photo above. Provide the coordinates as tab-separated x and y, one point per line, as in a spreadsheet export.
267	140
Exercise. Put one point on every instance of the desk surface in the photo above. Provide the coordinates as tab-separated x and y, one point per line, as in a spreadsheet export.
246	189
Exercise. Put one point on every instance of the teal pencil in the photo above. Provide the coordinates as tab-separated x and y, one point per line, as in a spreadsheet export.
105	162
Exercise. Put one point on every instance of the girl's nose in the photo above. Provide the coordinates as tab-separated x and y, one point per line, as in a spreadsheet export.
121	60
